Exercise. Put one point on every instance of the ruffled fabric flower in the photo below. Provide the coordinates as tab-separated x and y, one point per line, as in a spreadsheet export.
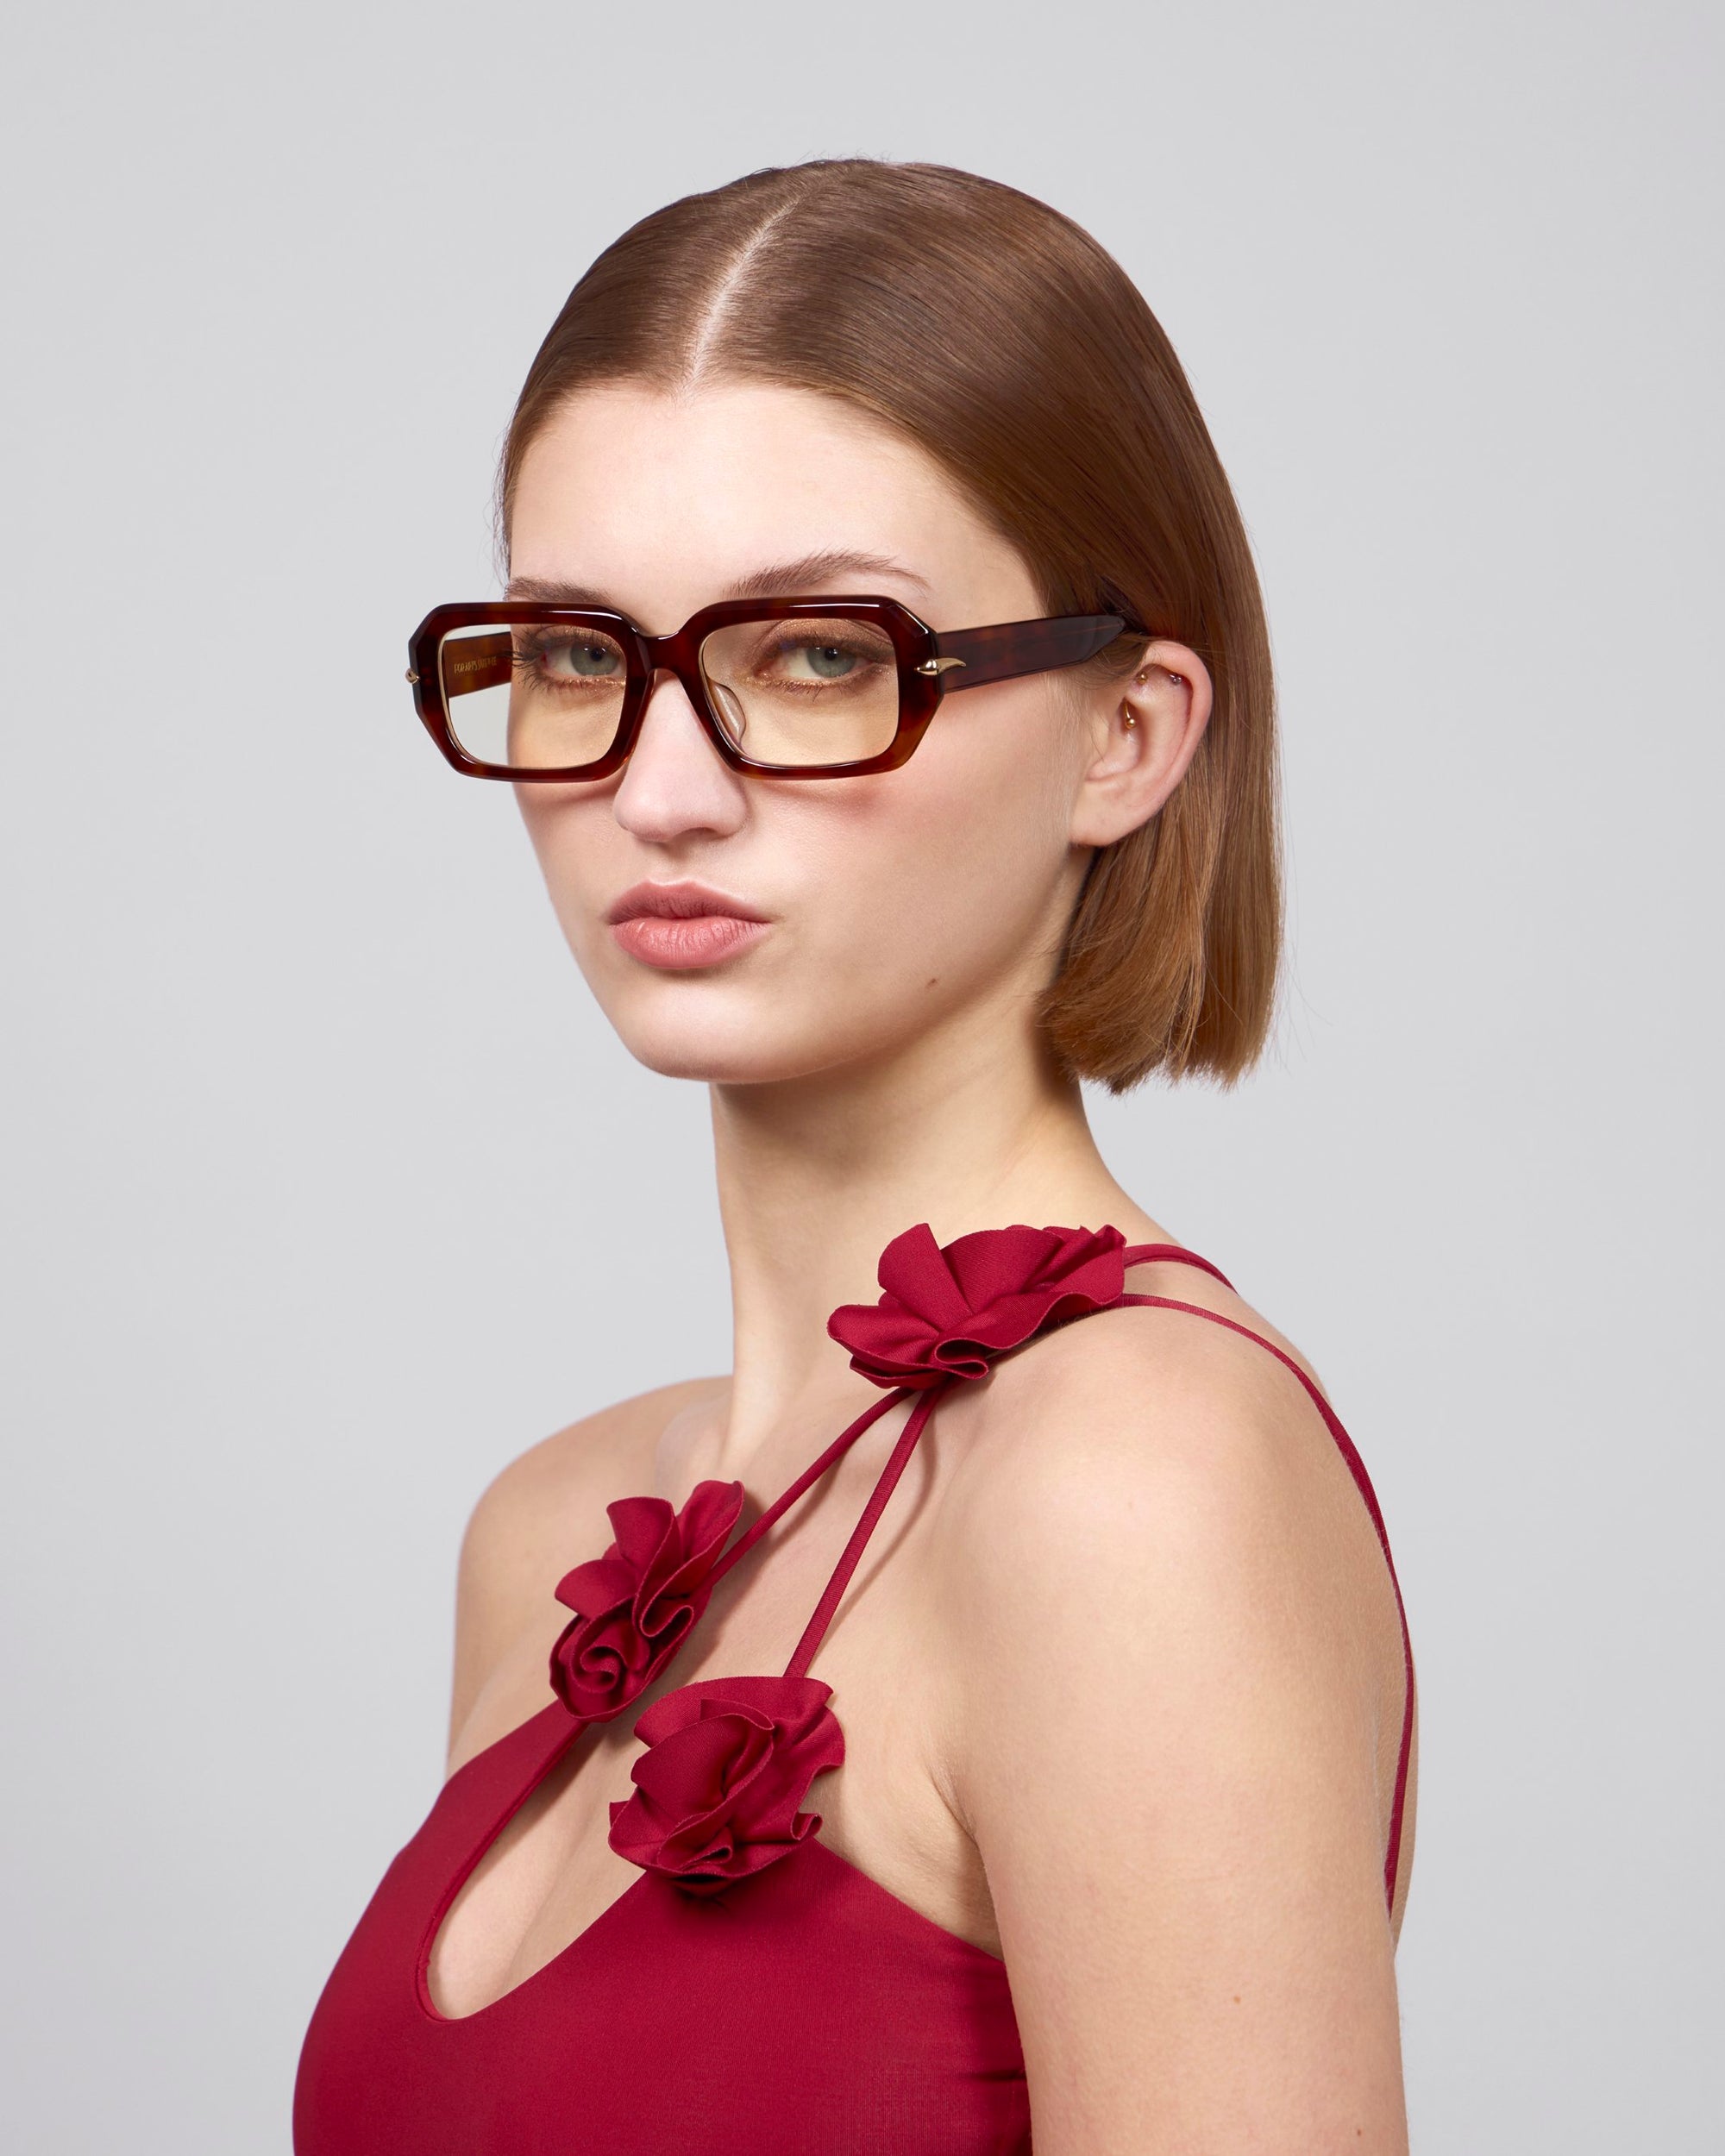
729	1761
633	1605
949	1310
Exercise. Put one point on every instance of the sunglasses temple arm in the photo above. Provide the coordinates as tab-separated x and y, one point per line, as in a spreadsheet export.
1013	648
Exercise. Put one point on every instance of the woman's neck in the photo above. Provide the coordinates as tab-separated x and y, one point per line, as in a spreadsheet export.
961	1129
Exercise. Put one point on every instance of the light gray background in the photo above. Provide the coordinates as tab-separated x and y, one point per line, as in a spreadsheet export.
328	1191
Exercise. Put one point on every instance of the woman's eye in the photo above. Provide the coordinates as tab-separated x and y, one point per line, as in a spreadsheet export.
824	662
580	661
590	659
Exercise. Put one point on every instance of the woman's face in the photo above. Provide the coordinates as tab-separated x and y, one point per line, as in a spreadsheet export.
886	907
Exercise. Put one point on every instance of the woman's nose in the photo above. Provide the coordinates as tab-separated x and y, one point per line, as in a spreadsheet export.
675	782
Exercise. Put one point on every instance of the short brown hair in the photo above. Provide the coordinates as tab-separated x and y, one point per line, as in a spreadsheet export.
1000	338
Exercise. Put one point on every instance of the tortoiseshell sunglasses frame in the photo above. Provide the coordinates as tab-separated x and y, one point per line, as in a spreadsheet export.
927	664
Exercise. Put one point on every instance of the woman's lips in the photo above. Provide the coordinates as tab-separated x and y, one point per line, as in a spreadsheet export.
699	939
678	926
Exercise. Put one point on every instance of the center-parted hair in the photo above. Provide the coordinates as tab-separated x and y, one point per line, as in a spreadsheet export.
997	336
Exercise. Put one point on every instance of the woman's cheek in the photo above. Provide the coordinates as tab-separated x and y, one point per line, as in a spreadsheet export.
574	841
952	894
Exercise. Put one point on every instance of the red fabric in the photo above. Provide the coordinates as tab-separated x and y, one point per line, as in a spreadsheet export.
633	1605
728	1762
804	2012
948	1312
752	1993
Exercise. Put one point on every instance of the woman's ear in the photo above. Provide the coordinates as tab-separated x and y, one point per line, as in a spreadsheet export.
1143	733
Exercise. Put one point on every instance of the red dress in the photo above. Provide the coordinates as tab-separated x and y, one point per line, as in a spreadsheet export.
752	1993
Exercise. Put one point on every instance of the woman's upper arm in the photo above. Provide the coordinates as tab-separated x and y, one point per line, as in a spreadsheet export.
1173	1680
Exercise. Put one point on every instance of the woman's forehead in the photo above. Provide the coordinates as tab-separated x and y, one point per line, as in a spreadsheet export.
672	499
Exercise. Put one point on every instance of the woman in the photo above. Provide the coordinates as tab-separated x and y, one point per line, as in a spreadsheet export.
884	681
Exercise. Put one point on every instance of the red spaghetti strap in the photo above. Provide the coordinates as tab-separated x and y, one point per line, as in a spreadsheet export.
1171	1254
813	1473
1356	1467
812	1632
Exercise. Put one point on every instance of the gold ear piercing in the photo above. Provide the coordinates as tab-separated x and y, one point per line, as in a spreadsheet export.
1128	717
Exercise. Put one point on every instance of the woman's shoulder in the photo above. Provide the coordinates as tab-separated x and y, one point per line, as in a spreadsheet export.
1199	1388
1152	1494
542	1513
583	1466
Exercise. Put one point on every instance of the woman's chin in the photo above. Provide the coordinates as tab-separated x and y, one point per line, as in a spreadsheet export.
727	1053
717	1061
745	1042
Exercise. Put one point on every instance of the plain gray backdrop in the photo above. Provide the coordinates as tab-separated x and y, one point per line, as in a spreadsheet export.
328	1190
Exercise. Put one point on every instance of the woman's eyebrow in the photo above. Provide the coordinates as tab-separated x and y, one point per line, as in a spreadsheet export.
553	593
787	578
782	580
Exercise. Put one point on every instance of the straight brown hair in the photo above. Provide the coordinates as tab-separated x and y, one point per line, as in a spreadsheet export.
1000	338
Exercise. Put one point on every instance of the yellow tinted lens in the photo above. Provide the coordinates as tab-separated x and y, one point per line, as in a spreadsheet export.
804	691
533	696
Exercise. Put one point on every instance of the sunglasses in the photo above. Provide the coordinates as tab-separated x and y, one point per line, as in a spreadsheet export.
792	688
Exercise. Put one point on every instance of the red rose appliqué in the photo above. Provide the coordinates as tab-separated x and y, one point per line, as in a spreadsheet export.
728	1762
948	1311
633	1605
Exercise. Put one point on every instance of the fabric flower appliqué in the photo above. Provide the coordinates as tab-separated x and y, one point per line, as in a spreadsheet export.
728	1760
633	1605
948	1311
